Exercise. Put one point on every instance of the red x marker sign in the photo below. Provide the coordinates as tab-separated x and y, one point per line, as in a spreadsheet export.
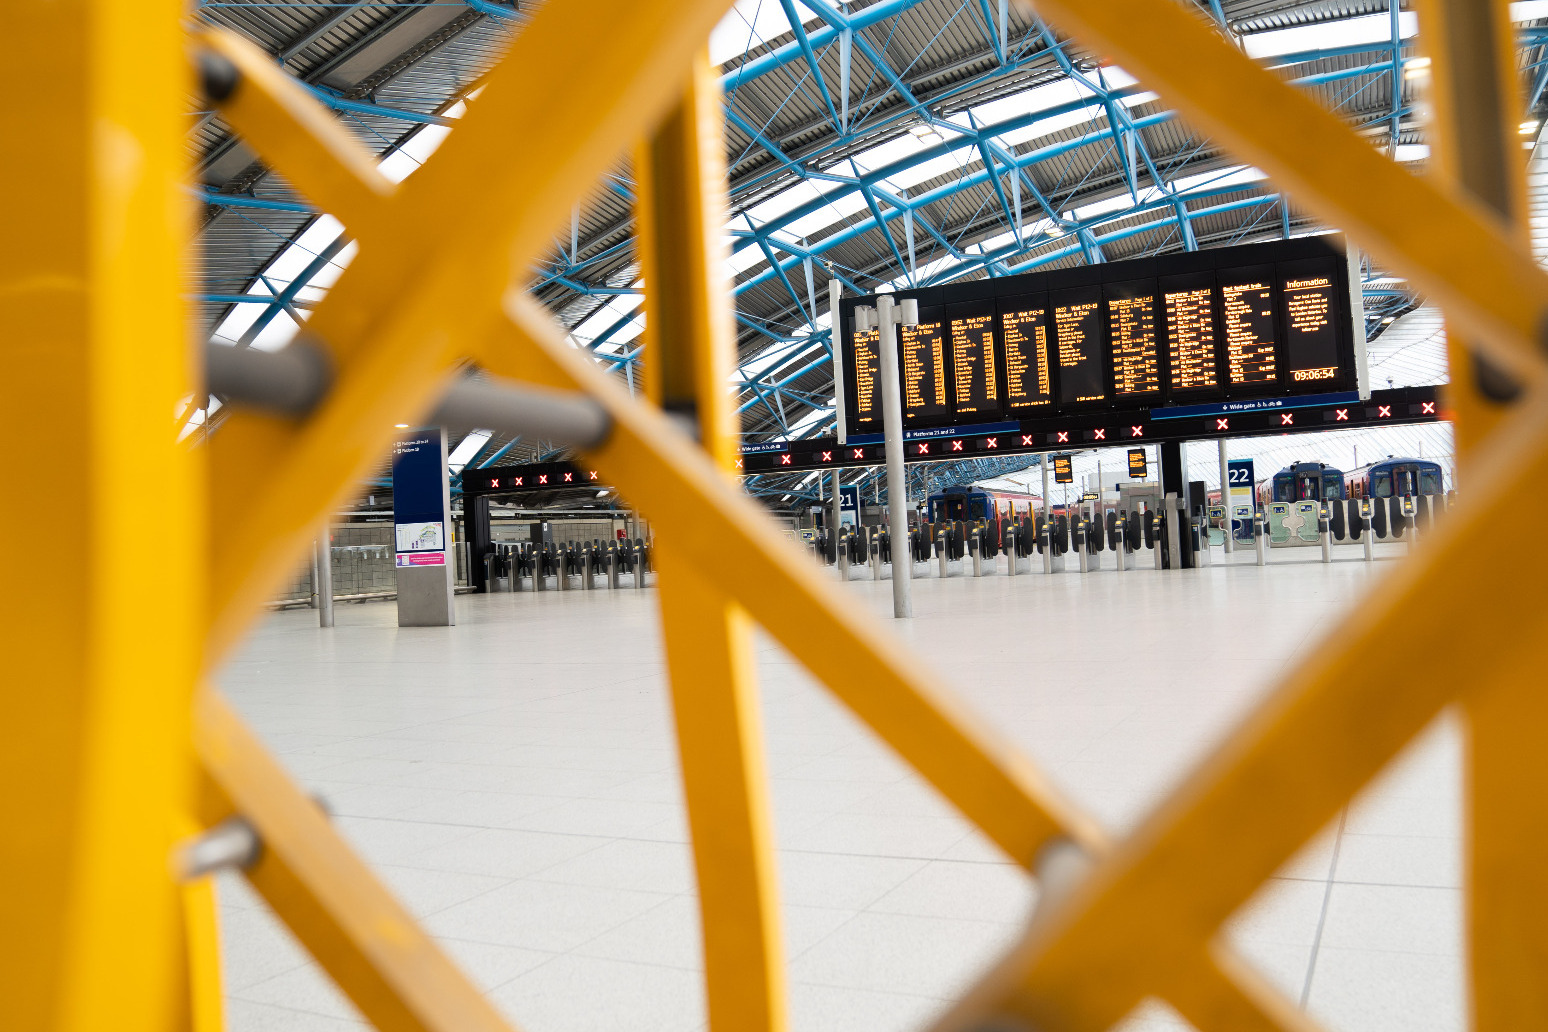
1101	435
859	453
1026	439
494	483
543	479
1064	436
924	449
827	456
1286	418
593	473
516	481
1383	411
738	463
569	477
784	460
1341	415
991	442
1427	408
1222	424
1136	431
956	445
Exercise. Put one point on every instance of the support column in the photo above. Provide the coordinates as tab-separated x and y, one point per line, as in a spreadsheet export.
897	472
1476	100
690	350
1225	494
94	729
1174	480
475	528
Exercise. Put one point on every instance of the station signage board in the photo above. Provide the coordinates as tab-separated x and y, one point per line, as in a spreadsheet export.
1139	464
1064	471
1203	328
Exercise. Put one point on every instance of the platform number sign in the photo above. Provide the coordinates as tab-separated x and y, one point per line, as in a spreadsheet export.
1139	465
1064	471
1240	473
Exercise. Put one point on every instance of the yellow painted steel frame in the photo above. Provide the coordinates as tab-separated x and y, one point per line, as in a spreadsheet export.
431	289
690	344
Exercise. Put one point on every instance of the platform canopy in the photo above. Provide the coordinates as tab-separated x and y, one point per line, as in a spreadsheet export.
894	143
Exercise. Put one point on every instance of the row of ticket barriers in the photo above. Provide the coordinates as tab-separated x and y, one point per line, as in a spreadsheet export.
524	566
1168	539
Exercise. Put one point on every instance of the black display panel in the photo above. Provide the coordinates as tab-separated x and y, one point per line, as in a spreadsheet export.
974	351
922	369
1190	307
1133	341
1139	465
1078	343
1247	324
1028	363
865	404
1311	295
1251	323
1064	470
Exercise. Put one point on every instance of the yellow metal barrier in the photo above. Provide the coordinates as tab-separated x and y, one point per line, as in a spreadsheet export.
107	754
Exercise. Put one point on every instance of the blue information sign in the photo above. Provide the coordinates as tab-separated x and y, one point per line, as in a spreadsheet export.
419	499
1242	498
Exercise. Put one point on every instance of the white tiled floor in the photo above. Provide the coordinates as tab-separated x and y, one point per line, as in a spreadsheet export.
514	779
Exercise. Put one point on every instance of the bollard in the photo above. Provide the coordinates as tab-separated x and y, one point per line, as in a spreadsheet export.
1155	535
1048	547
843	556
1078	542
944	554
1010	548
1258	535
978	555
323	585
1325	530
876	556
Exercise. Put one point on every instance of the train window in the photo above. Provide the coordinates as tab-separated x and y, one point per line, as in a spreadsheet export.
1381	485
1332	487
1430	482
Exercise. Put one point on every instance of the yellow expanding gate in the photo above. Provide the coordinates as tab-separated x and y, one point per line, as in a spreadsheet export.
116	748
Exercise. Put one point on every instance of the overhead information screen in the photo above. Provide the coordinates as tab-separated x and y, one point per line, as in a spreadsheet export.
1311	340
1189	304
975	377
1247	308
1243	328
923	370
1077	316
865	400
1131	322
1024	332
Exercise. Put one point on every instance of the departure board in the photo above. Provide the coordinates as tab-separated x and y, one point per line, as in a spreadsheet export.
1177	331
975	377
922	370
865	359
1024	333
1131	330
1189	306
1064	470
1077	318
1247	316
1310	292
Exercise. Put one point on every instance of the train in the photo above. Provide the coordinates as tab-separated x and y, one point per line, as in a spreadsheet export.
1395	477
1392	476
1302	481
967	502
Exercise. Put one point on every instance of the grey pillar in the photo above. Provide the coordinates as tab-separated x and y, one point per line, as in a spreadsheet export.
323	584
897	475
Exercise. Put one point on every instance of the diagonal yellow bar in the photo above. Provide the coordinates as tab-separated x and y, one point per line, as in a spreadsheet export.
1282	775
93	711
359	933
1456	251
417	298
680	183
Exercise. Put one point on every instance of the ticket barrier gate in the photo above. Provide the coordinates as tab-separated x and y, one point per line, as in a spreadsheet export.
1294	523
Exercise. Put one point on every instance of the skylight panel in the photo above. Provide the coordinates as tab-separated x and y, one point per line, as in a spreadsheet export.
464	452
1346	32
750	23
1220	178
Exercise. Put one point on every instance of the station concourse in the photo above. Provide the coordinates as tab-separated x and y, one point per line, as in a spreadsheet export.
777	515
